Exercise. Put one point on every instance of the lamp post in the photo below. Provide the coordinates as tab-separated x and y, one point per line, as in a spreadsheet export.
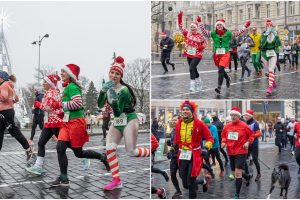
39	42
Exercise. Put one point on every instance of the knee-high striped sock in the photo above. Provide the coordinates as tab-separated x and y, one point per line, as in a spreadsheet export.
142	152
113	161
271	78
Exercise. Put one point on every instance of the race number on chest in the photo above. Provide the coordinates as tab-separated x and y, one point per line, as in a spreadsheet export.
185	155
233	136
271	53
220	51
120	121
191	50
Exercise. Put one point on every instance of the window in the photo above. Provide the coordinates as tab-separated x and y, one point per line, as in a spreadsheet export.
249	12
241	15
229	16
257	11
291	7
277	8
268	10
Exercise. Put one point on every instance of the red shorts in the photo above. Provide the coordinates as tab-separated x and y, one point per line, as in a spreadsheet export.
74	132
222	59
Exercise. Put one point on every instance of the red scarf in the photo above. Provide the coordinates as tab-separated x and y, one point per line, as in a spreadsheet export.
66	83
221	32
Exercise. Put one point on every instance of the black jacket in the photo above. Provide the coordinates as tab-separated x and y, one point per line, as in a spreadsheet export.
170	44
218	124
38	97
279	128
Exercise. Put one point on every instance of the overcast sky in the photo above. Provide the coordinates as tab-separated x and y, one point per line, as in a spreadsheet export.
84	33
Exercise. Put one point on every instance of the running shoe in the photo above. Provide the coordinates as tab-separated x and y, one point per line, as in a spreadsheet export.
165	72
60	183
270	90
274	84
86	163
173	66
231	177
166	176
241	79
218	90
177	195
257	178
236	196
205	186
29	153
249	73
114	184
35	170
163	194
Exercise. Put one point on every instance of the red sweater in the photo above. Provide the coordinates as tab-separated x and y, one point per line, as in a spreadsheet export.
244	134
199	132
297	134
154	143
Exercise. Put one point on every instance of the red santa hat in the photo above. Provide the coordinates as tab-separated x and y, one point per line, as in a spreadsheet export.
235	111
195	24
220	21
73	71
163	34
52	79
249	113
269	23
118	65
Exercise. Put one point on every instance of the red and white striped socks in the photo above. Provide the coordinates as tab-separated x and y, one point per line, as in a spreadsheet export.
142	152
112	159
271	78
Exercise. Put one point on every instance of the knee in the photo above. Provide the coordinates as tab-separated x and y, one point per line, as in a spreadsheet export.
61	147
111	147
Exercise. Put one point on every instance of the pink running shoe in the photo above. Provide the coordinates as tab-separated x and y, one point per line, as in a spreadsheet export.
269	90
274	84
115	183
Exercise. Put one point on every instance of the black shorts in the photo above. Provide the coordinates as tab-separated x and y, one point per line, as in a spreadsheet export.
237	161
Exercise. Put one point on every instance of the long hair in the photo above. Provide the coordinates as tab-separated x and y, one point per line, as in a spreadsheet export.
131	92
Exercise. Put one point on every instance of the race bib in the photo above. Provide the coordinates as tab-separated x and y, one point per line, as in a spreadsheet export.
293	52
191	50
66	116
244	45
220	51
120	121
46	117
270	53
185	155
233	136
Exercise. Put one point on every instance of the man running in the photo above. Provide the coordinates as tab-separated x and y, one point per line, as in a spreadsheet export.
166	46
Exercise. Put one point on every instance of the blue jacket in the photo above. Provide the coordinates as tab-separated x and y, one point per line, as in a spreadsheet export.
214	132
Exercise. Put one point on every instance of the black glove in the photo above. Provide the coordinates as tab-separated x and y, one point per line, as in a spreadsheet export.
204	153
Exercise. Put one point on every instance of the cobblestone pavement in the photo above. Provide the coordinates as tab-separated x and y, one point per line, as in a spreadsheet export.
224	188
15	182
175	84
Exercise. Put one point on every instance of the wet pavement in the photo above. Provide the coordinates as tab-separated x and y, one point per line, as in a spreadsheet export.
224	188
175	84
16	183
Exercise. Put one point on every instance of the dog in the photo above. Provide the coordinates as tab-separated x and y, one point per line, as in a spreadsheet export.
280	178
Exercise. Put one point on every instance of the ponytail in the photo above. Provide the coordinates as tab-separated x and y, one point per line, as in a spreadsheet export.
131	92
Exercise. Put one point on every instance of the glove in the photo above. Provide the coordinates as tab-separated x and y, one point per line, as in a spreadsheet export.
200	48
57	104
247	24
199	19
180	17
37	104
61	115
203	153
208	145
113	94
106	86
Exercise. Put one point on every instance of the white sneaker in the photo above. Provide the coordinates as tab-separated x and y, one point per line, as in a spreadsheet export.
193	86
86	163
199	84
293	152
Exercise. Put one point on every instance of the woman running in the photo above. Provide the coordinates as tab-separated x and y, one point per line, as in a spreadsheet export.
122	100
73	133
194	46
269	44
221	39
53	120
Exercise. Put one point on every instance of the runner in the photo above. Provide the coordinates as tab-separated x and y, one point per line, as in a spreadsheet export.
233	54
166	46
279	128
221	38
52	106
189	133
255	52
287	53
122	100
270	43
237	136
297	143
73	133
194	46
8	97
253	148
290	134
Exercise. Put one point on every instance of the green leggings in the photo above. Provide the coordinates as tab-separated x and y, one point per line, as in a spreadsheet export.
130	116
256	62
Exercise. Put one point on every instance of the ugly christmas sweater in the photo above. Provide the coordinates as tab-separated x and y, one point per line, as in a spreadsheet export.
72	101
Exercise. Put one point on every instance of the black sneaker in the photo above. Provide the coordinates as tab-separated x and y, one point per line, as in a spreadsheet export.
29	153
165	72
173	66
228	82
257	177
104	161
166	176
60	183
218	90
163	194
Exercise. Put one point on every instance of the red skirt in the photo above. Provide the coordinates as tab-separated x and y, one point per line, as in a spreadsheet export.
222	59
74	132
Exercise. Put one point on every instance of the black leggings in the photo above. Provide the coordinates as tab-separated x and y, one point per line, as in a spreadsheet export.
174	168
234	56
38	119
253	149
292	141
61	148
297	155
222	75
157	171
46	134
188	182
193	63
13	130
287	56
244	66
294	59
165	60
215	152
105	126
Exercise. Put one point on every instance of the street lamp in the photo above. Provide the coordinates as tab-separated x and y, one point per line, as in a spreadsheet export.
39	42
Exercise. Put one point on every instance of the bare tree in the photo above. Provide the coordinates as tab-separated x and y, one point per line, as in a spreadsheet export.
137	75
44	71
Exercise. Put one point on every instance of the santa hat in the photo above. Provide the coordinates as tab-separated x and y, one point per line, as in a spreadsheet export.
235	111
52	79
220	21
269	23
195	24
189	104
73	71
249	113
163	34
118	65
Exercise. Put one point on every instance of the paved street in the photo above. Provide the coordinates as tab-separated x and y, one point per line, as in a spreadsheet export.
223	188
175	84
15	182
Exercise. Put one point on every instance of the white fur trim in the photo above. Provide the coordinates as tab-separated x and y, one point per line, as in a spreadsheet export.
194	24
66	69
111	146
248	114
49	81
234	112
220	23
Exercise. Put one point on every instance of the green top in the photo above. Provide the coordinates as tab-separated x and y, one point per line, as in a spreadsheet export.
123	103
274	45
221	41
70	91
